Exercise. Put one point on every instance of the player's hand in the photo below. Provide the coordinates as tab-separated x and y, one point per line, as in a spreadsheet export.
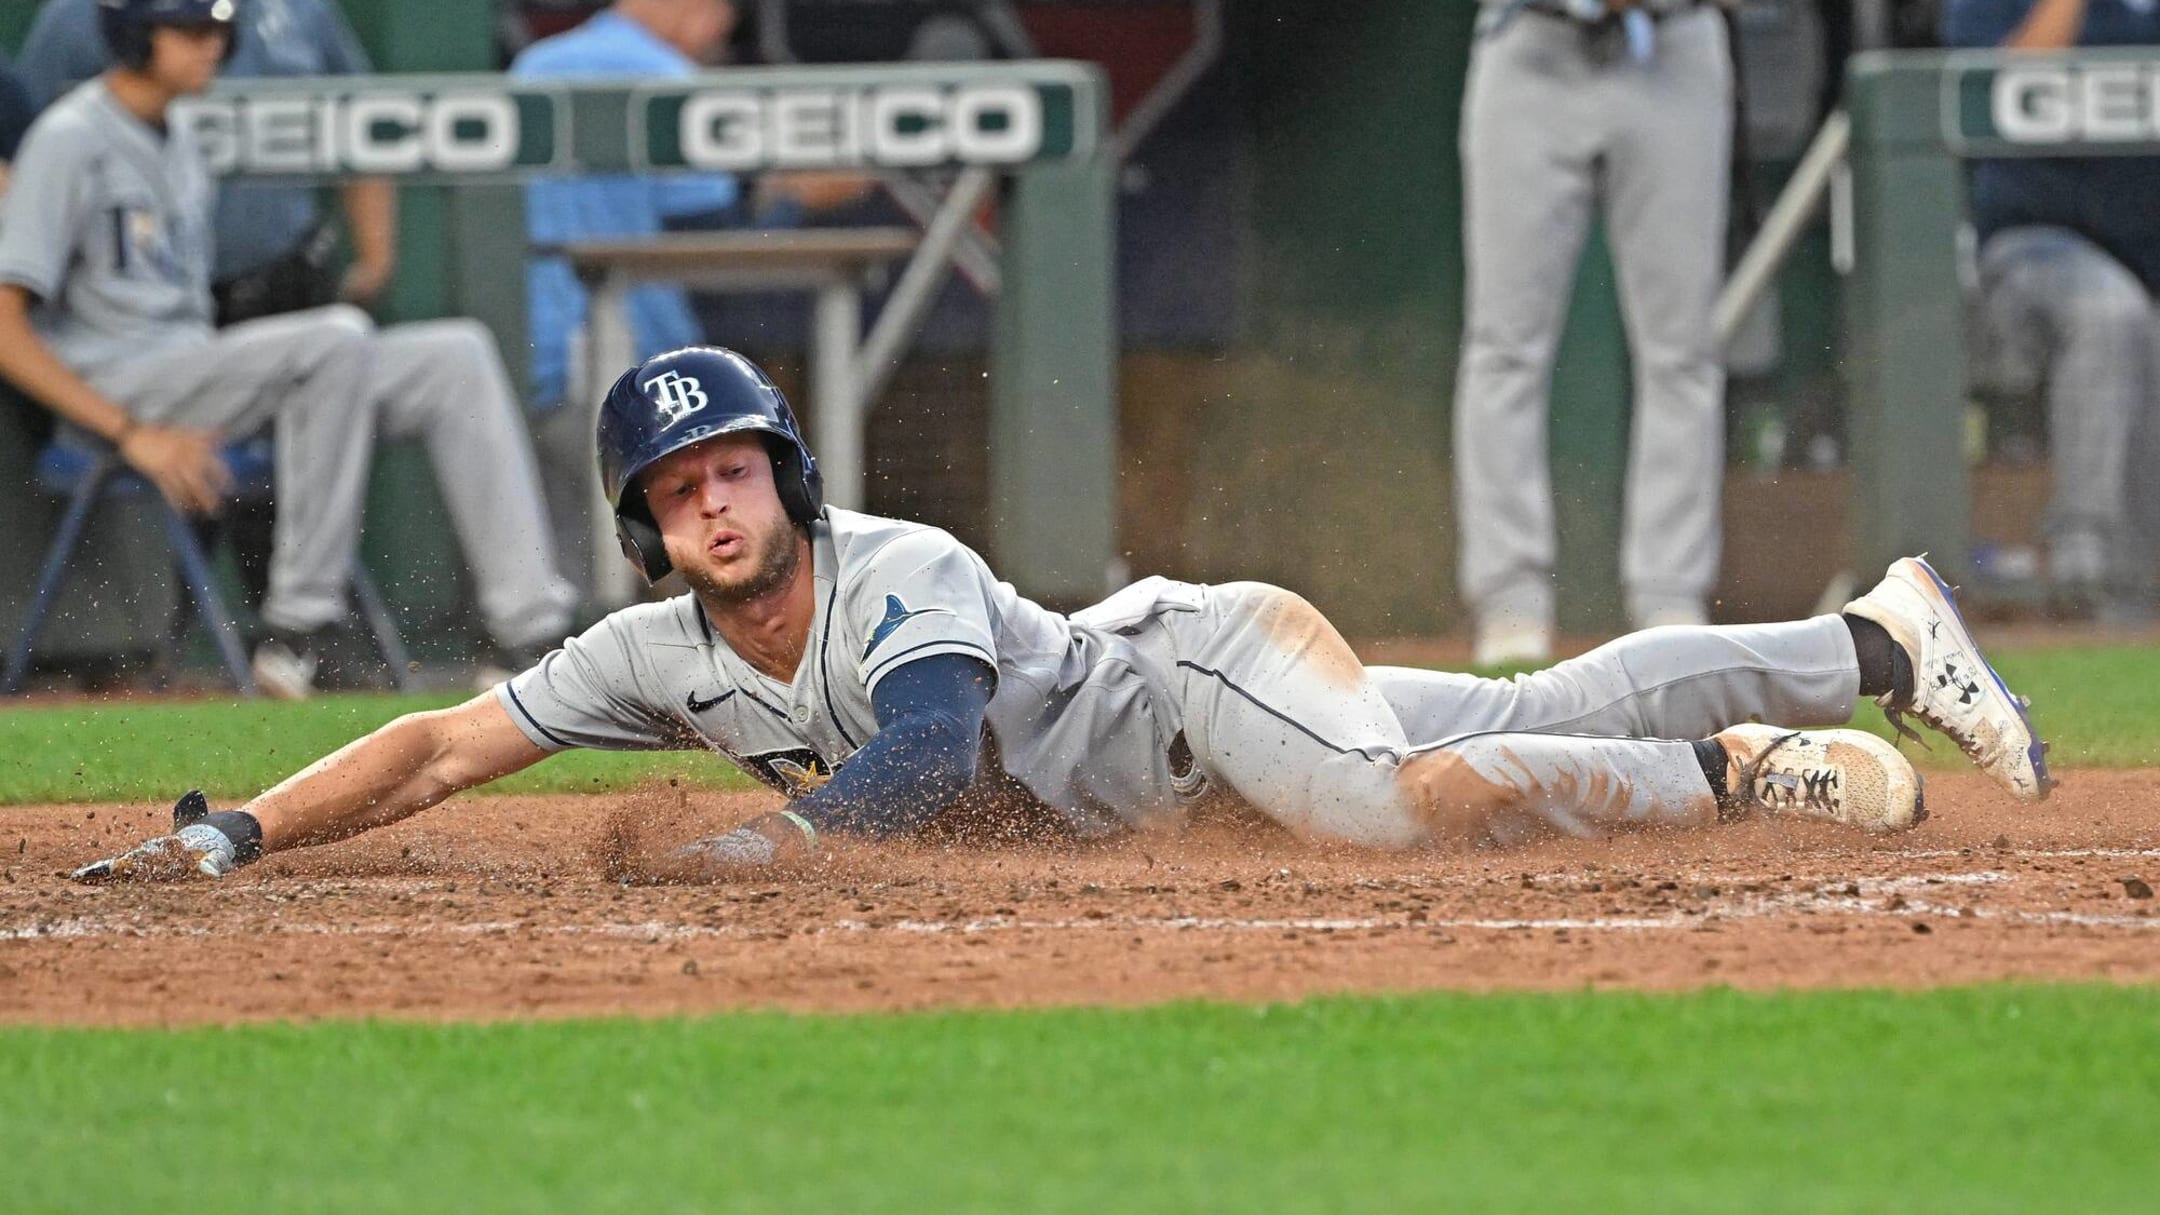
759	845
364	282
194	848
765	841
183	463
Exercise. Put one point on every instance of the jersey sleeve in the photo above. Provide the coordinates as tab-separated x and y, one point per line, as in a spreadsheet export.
590	694
924	593
38	214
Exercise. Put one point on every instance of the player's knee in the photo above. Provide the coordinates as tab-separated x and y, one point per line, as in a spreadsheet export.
459	348
1294	627
1451	793
463	334
2110	311
1490	353
344	322
1265	599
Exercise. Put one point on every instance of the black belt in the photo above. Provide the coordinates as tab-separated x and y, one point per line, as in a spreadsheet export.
1497	15
1655	14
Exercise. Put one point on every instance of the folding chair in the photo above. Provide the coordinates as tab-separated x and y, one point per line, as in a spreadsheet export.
85	478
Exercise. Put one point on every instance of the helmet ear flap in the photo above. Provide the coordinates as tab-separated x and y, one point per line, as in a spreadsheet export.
641	543
795	475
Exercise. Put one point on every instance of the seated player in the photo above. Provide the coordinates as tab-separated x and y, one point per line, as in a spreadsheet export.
2069	271
876	671
105	318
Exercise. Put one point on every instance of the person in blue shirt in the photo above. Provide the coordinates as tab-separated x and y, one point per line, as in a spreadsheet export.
273	249
2069	261
635	40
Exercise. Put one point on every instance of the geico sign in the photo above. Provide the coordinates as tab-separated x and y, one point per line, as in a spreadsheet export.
362	133
897	126
2088	103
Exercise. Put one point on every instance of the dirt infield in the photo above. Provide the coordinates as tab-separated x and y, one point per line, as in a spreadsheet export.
495	908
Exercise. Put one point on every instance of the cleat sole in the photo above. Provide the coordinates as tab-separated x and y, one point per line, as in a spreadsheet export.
2036	752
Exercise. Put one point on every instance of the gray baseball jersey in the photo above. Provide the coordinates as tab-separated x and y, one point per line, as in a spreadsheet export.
1271	702
257	221
657	676
106	224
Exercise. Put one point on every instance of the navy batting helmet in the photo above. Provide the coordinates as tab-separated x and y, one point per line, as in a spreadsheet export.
126	24
686	396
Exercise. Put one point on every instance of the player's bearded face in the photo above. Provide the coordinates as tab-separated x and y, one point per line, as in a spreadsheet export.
721	519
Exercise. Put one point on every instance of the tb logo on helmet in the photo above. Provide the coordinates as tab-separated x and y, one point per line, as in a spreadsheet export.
675	395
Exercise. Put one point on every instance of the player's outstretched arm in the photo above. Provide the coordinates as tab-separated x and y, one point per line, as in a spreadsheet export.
401	769
930	729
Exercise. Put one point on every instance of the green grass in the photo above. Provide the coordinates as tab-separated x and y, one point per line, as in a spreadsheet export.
2096	703
151	751
1968	1101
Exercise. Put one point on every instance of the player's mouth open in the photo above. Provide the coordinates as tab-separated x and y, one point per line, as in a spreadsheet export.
726	544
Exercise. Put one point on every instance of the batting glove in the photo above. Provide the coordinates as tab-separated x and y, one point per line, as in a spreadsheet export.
212	845
765	840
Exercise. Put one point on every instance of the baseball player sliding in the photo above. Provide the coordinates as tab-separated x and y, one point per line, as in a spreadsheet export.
875	670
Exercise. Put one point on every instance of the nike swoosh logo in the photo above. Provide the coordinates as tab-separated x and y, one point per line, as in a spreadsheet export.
896	614
699	706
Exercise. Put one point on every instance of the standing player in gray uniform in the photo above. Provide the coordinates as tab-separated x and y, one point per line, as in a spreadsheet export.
1573	104
876	671
105	318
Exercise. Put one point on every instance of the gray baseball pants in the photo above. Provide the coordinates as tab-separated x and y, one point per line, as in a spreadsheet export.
1275	706
1555	122
333	383
2057	310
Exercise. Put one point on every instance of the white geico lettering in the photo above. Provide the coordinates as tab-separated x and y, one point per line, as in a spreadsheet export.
363	133
903	126
2090	103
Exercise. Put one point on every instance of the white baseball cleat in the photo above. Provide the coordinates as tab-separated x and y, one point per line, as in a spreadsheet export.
1954	689
1839	776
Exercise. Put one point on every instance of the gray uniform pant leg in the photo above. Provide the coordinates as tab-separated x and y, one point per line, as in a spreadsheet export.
1667	180
2054	305
1276	706
1528	157
1681	682
1547	126
443	382
305	371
